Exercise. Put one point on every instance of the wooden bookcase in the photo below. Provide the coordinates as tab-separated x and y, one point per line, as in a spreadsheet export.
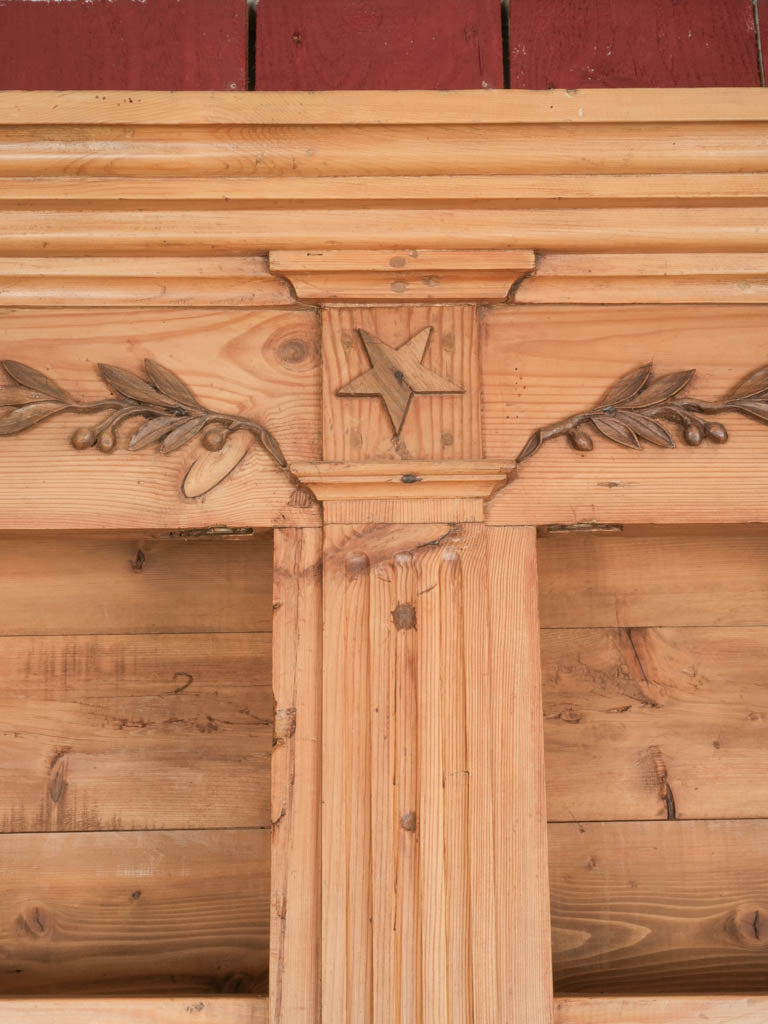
358	332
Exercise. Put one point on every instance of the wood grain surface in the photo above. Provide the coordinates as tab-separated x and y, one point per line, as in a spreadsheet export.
539	365
137	1010
659	907
662	1010
135	913
259	363
75	584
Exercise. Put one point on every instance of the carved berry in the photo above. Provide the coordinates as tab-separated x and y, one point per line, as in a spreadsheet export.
580	440
693	434
716	432
214	439
107	441
83	438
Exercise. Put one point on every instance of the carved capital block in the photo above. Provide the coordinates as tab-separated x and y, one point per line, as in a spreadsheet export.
401	383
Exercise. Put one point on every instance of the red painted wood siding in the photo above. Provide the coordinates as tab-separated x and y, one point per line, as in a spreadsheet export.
123	44
571	44
386	44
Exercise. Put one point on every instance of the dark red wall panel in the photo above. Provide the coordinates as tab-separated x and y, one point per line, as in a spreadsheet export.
123	44
386	44
570	44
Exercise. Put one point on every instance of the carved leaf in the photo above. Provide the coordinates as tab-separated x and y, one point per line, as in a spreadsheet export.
170	384
646	428
612	428
35	380
27	415
212	467
187	429
271	447
531	445
755	384
152	431
627	387
755	408
12	395
661	389
129	385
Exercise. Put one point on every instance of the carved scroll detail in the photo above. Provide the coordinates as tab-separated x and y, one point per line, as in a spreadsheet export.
630	409
172	418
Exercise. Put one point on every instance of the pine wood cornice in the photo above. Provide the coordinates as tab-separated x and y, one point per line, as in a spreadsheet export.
628	172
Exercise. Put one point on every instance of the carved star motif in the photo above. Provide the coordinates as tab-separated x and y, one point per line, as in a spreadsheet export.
397	374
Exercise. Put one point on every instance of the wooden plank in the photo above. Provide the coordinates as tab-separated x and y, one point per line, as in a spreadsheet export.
445	426
79	584
688	43
295	917
257	363
158	281
661	907
662	1010
140	913
393	45
422	878
522	907
32	232
541	364
255	155
664	576
647	277
124	45
535	189
494	106
134	732
138	1010
655	723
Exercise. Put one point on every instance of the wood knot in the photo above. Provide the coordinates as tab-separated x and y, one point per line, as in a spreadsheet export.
35	921
404	617
292	350
357	564
408	821
749	926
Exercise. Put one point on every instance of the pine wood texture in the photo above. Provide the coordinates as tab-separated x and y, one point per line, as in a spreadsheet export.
662	1010
444	427
541	364
211	175
259	363
397	45
647	277
655	723
655	576
154	281
135	913
125	732
137	1010
295	919
609	43
80	584
659	907
405	481
403	276
434	889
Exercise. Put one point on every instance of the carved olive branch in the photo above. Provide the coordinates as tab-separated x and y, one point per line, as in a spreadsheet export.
629	411
171	413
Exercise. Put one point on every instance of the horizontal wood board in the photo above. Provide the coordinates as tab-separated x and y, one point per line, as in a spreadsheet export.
540	365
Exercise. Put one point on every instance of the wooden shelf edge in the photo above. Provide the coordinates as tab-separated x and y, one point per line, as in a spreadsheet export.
662	1010
140	1010
363	481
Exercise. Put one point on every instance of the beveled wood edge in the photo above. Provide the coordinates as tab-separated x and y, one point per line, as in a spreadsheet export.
476	106
661	1010
202	1009
409	479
